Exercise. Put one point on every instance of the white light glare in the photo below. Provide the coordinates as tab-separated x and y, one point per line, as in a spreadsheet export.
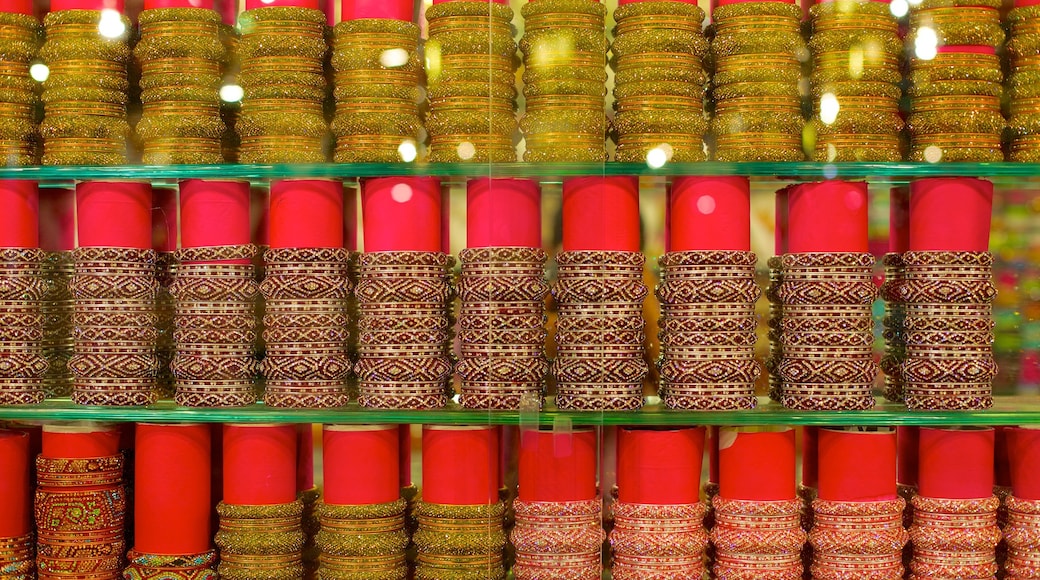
393	57
658	156
231	93
829	108
899	8
111	24
39	72
407	151
926	44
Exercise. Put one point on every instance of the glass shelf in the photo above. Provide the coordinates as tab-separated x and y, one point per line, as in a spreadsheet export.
794	171
1008	410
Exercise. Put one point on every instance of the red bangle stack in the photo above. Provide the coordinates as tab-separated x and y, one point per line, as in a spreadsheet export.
1022	531
17	549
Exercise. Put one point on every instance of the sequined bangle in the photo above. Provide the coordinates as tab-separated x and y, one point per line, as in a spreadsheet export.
17	557
459	540
362	541
658	539
260	541
155	567
757	537
564	537
871	533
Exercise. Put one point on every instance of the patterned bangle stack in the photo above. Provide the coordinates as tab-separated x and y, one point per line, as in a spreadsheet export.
402	300
18	99
758	539
86	94
564	87
502	327
954	538
180	54
856	82
363	542
165	265
114	360
827	331
708	330
260	542
955	111
659	81
56	309
775	326
758	110
1023	538
557	540
949	330
599	362
472	94
215	326
867	537
306	363
459	542
18	558
895	330
1023	87
162	567
282	118
80	513
22	362
658	542
378	72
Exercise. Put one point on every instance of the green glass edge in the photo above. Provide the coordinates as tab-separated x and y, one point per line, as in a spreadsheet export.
1007	410
787	170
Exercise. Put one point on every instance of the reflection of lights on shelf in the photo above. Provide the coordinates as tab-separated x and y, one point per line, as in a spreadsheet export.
466	150
407	151
658	156
39	72
926	43
932	154
393	57
829	108
401	193
899	8
231	93
111	24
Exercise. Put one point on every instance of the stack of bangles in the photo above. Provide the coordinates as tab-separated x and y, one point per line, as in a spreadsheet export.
459	542
472	95
658	542
18	558
403	300
56	310
80	514
599	361
864	536
1022	534
377	104
558	540
954	538
215	293
708	330
260	542
362	542
502	327
165	349
827	331
775	322
114	362
86	92
22	364
1024	83
306	364
758	539
894	331
18	98
949	330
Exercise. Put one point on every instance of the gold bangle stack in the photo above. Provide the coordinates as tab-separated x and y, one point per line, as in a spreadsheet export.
1023	82
22	363
558	540
949	330
215	326
282	119
459	542
181	57
56	310
659	542
362	542
260	542
564	46
867	537
954	538
502	325
378	77
165	265
856	78
659	81
708	330
311	526
85	96
80	508
827	331
18	558
895	330
306	364
955	105
471	68
600	364
403	300
229	109
19	137
114	360
758	110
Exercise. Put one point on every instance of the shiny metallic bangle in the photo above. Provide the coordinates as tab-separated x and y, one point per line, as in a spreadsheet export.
154	567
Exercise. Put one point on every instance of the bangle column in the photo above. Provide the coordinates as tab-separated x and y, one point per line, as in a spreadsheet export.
165	231
1023	557
57	240
1022	92
17	554
600	292
19	136
772	292
895	310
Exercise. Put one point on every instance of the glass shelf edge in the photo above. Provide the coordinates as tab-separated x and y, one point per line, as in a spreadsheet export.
790	170
1008	410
